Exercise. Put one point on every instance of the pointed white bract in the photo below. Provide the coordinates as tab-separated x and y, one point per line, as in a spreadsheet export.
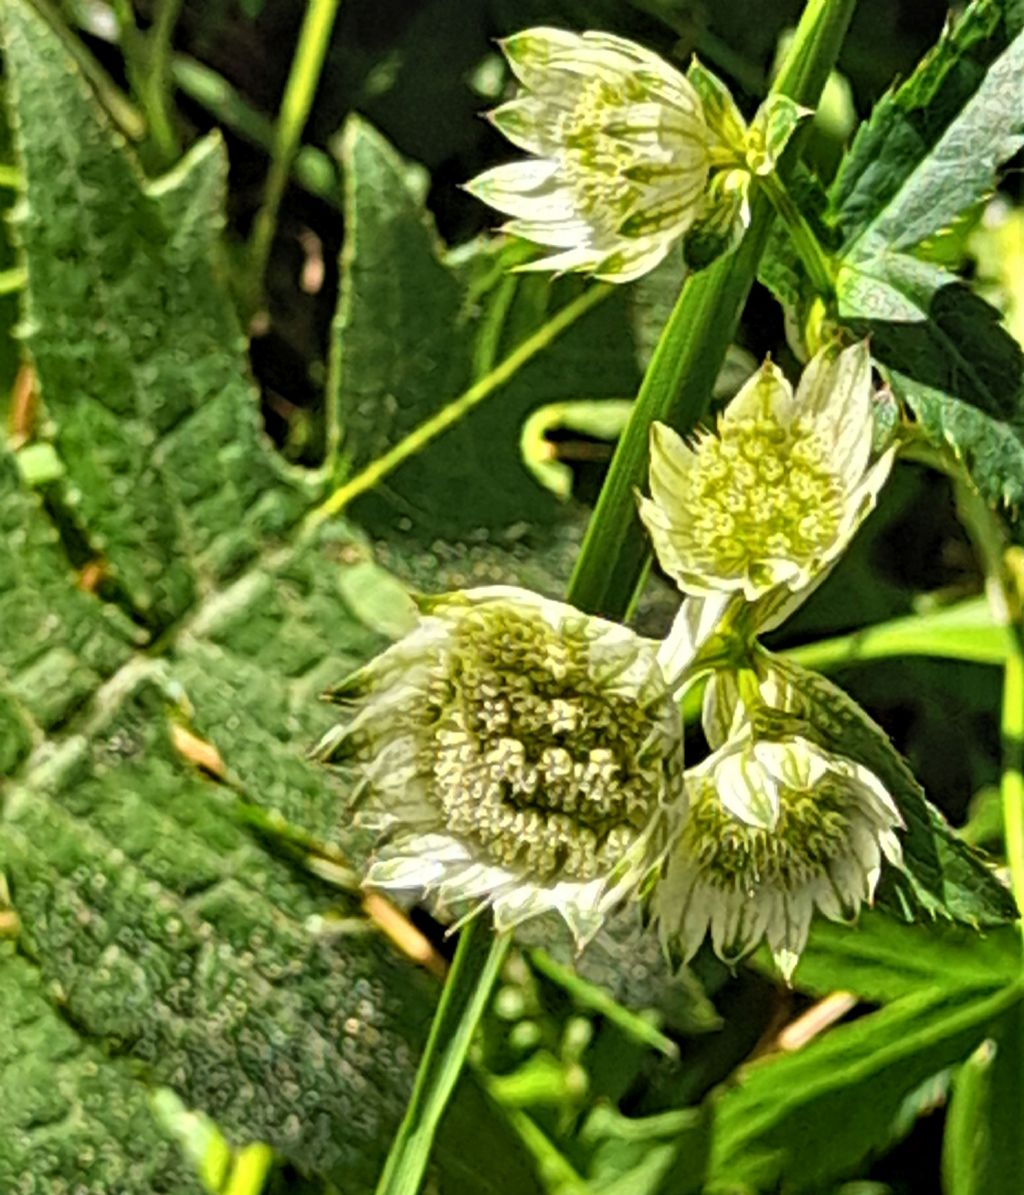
516	753
621	153
764	505
777	829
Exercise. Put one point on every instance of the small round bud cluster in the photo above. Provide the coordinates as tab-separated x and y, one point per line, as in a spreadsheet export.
760	491
533	760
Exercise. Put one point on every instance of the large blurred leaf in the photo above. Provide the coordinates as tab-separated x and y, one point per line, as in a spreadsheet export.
814	1115
140	361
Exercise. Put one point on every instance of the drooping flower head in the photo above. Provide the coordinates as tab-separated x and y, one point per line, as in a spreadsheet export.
776	830
783	819
515	753
767	502
620	147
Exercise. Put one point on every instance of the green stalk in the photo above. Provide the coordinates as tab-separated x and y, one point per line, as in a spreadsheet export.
819	266
300	89
452	412
474	971
679	380
146	57
612	561
312	168
1012	784
156	96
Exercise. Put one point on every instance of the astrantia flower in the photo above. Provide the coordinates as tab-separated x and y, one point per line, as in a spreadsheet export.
621	153
767	502
776	829
517	753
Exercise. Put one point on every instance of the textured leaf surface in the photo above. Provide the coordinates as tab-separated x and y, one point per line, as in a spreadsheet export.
415	328
74	1121
140	361
932	147
183	946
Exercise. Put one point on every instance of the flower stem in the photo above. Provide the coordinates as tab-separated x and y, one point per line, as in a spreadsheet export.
298	99
820	267
1005	603
474	970
690	352
452	412
146	62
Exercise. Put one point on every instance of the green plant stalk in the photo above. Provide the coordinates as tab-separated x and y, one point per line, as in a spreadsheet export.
820	268
1011	787
312	169
156	94
474	970
679	380
614	557
300	89
452	412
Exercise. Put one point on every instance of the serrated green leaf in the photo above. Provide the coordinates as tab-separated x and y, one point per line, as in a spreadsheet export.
881	960
931	147
949	358
942	876
415	328
139	358
814	1115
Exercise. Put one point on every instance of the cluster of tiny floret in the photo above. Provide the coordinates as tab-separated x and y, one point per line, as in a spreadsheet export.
535	760
761	490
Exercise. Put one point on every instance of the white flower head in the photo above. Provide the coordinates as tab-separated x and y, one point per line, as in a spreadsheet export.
515	753
764	505
621	154
776	829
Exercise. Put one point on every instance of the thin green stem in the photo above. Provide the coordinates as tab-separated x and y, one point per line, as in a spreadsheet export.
820	267
300	89
474	971
678	383
1005	603
1012	783
459	407
312	169
157	85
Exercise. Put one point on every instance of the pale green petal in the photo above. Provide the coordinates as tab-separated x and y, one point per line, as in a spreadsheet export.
530	52
572	260
767	395
634	260
748	792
